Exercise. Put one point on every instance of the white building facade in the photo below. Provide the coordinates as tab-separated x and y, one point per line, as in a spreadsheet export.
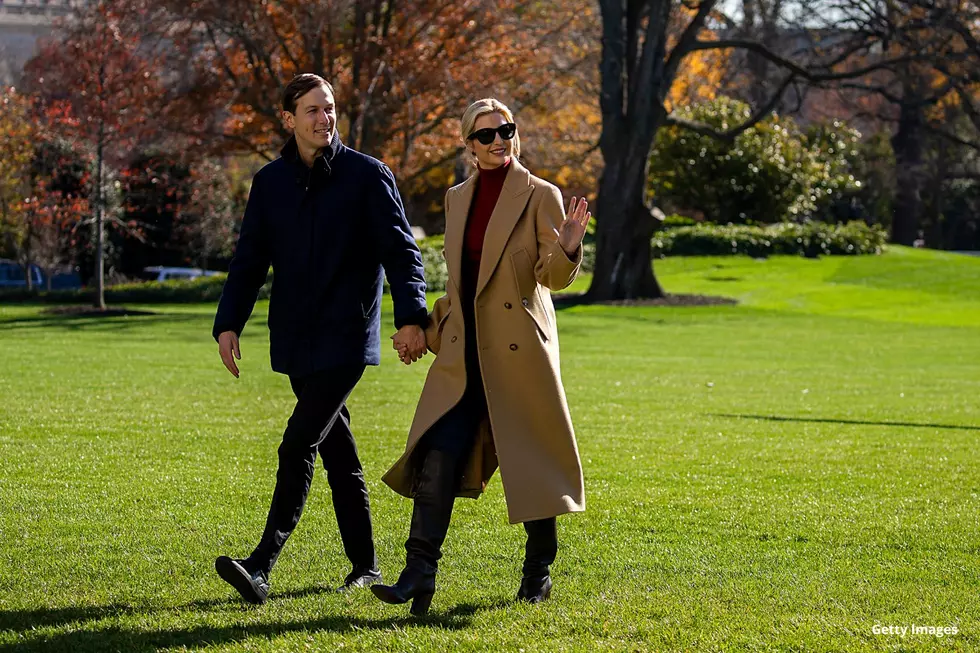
22	24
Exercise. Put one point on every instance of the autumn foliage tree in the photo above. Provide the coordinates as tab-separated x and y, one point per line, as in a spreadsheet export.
48	218
37	215
17	136
100	77
402	72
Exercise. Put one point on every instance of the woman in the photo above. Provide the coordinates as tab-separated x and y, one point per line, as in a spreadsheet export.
494	393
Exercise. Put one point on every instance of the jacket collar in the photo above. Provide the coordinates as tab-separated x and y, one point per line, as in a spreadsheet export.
508	210
290	152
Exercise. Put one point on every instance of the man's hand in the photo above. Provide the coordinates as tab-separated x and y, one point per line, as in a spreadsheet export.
228	348
409	342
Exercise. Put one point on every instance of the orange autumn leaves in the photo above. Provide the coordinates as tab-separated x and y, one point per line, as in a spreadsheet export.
402	73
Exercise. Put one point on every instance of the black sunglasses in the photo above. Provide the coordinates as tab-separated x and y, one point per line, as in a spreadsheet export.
487	135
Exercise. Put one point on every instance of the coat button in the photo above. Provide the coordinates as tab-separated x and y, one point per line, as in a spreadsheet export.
513	347
453	339
507	305
524	301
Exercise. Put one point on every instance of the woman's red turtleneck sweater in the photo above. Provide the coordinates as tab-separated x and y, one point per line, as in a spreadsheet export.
488	186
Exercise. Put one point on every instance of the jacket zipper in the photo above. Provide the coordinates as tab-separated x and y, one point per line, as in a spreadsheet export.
304	205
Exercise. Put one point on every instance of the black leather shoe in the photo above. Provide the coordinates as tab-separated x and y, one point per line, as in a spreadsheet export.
534	589
253	586
413	585
360	577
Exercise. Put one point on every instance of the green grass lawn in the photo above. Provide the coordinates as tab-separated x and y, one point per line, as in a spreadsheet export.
781	474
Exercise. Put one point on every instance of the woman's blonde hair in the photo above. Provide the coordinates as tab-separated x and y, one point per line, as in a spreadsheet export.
482	108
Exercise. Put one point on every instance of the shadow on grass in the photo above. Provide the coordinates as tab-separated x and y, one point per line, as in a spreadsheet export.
44	617
92	323
115	638
860	422
565	300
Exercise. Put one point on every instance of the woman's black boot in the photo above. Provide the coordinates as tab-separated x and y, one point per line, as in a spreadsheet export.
413	585
539	554
434	498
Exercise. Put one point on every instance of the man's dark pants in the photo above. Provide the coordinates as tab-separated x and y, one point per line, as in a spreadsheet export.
320	423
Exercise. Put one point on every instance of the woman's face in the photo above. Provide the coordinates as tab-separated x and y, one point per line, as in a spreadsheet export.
496	153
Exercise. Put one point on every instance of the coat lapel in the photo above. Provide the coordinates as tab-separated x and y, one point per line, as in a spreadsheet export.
510	206
456	229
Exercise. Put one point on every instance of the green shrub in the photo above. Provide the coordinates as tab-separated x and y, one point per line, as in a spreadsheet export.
771	171
436	273
434	263
809	239
673	221
588	257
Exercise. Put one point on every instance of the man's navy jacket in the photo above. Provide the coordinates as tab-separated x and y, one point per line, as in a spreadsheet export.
327	232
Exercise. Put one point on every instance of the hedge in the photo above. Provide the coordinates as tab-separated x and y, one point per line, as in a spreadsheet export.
202	289
808	239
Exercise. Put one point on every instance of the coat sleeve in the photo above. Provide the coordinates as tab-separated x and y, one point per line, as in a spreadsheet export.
248	270
433	328
554	269
400	255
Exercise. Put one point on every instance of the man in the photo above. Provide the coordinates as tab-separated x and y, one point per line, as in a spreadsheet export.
327	219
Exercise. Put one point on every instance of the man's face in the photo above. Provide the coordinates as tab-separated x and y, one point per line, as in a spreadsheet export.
314	120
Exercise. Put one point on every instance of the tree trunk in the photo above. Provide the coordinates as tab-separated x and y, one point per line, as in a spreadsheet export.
631	102
28	252
907	143
623	268
932	214
99	300
624	223
356	100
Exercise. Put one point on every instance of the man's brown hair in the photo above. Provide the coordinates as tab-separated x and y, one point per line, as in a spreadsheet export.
300	86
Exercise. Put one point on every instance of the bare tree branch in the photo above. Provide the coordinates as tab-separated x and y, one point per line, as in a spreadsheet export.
731	134
797	69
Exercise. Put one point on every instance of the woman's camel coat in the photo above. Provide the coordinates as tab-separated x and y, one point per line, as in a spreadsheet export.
530	431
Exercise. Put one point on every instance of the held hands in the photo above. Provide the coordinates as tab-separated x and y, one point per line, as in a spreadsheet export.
572	230
409	342
229	351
